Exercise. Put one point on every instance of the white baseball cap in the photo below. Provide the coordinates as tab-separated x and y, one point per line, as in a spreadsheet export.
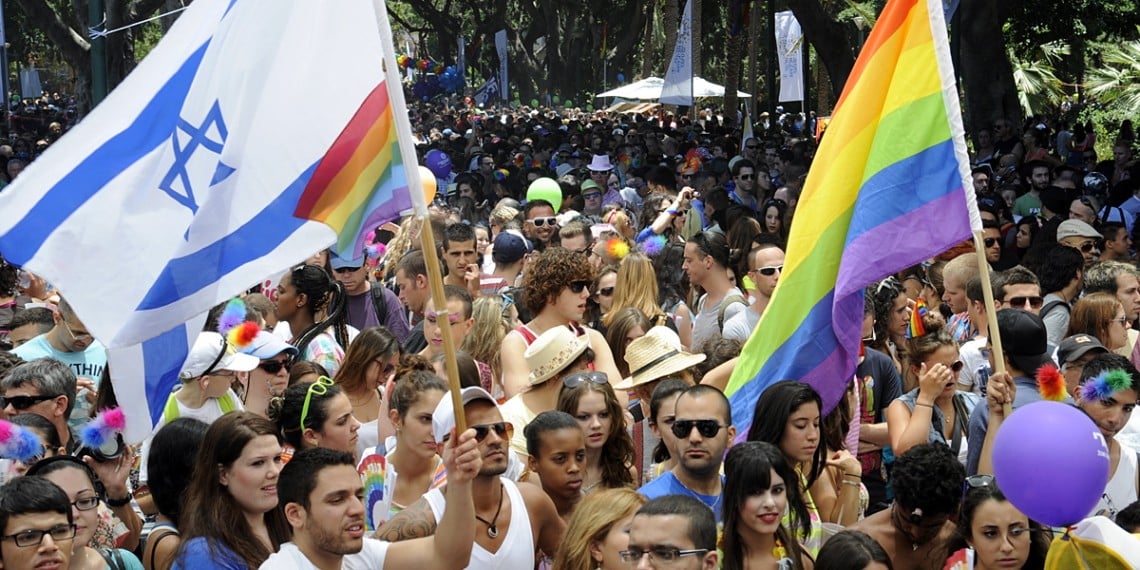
211	352
443	418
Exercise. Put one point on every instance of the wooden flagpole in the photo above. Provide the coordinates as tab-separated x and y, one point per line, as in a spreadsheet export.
443	319
991	314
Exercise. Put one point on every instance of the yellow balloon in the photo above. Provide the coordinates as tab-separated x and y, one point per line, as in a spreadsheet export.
427	178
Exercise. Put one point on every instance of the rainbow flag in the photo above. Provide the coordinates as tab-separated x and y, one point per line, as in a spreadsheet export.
360	183
889	188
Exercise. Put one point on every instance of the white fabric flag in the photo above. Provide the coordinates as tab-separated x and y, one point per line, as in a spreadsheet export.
180	189
790	52
678	88
501	47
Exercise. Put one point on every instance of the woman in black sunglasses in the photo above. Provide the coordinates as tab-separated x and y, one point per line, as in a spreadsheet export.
935	409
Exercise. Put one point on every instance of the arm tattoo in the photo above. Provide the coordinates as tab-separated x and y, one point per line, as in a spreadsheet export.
416	521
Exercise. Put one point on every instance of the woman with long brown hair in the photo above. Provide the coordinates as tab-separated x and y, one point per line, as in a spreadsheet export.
231	519
369	365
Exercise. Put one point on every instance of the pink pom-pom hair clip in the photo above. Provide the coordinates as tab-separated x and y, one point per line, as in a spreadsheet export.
19	443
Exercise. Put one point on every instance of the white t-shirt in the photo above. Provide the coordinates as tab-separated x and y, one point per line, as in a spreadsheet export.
741	325
371	557
972	362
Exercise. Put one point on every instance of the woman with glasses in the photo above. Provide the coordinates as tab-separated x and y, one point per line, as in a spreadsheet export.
230	514
1101	315
315	415
935	410
556	287
590	399
1000	535
86	492
314	305
760	493
369	366
397	478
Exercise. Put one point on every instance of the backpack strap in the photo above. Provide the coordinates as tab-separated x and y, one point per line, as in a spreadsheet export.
113	558
170	411
380	303
1053	305
724	305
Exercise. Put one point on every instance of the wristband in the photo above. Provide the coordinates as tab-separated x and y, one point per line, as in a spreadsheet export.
671	212
931	406
116	503
853	484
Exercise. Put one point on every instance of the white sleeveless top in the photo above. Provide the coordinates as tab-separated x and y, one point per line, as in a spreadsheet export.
517	550
1121	489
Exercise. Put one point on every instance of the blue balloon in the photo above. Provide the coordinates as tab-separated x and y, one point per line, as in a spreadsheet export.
621	77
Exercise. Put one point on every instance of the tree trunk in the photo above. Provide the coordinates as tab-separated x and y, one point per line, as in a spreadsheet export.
829	38
671	21
755	24
647	52
986	71
696	31
732	78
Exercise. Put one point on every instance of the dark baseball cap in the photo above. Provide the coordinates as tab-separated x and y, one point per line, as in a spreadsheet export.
1023	339
1078	345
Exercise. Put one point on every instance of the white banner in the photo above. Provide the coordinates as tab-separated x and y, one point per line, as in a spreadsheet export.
501	47
790	51
678	88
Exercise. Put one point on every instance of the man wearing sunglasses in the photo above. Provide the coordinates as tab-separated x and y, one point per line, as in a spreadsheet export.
44	387
369	304
1081	237
511	521
766	263
704	431
70	343
541	226
744	178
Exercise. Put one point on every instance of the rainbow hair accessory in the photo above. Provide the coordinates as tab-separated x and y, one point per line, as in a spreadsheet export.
653	244
1050	383
1105	385
372	470
232	324
103	428
501	174
18	443
617	248
915	328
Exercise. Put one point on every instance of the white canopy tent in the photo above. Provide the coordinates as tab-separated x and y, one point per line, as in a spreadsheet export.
649	89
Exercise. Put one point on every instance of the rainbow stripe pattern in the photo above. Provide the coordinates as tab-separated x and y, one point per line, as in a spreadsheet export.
889	188
360	182
372	470
915	327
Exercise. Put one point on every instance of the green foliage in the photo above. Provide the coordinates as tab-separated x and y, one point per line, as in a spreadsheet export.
1038	88
1115	81
1031	23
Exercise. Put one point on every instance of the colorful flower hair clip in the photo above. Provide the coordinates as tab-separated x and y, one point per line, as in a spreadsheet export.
1104	385
232	324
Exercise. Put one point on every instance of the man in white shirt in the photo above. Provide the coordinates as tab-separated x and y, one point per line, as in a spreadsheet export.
321	495
765	264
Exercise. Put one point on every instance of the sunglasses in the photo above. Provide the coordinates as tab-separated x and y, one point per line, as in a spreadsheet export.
575	380
22	402
976	482
578	286
80	337
502	429
1034	302
745	176
990	242
957	366
544	221
320	388
751	147
274	366
606	291
770	270
707	428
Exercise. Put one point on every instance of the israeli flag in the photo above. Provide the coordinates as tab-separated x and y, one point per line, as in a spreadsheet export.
178	191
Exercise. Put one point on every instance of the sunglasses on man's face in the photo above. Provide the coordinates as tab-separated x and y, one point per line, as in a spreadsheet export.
770	270
578	286
745	176
1022	301
502	429
990	242
543	221
22	402
707	428
1088	246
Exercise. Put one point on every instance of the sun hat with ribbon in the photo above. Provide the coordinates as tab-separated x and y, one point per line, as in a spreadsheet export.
552	352
656	355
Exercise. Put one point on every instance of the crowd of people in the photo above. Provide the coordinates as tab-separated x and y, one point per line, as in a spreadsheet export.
602	273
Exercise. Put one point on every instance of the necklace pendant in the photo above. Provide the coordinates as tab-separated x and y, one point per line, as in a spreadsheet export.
493	531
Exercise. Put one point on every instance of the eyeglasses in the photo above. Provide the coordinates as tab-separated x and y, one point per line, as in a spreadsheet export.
274	366
684	176
575	380
592	196
35	537
81	337
502	429
606	291
544	221
990	242
1122	320
23	402
85	503
707	428
745	176
578	286
751	147
1019	301
347	269
320	388
634	555
769	270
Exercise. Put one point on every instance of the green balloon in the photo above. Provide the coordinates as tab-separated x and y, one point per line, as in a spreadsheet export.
534	102
567	103
545	189
590	107
555	99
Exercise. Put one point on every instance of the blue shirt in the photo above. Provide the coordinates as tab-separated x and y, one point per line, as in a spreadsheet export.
197	553
668	484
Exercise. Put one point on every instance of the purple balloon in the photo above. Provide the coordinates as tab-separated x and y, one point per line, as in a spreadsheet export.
438	162
1051	462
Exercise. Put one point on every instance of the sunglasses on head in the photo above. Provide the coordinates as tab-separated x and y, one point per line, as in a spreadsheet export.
274	366
1022	301
502	429
544	221
578	286
707	428
769	270
320	388
22	402
579	378
976	482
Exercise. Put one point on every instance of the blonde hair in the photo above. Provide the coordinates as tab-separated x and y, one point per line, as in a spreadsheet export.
502	215
485	338
961	269
591	522
636	287
617	218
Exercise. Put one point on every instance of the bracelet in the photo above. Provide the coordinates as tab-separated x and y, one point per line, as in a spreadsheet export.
856	485
672	212
115	503
853	476
917	403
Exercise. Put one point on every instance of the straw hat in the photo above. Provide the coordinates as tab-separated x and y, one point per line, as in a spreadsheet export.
553	351
654	356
